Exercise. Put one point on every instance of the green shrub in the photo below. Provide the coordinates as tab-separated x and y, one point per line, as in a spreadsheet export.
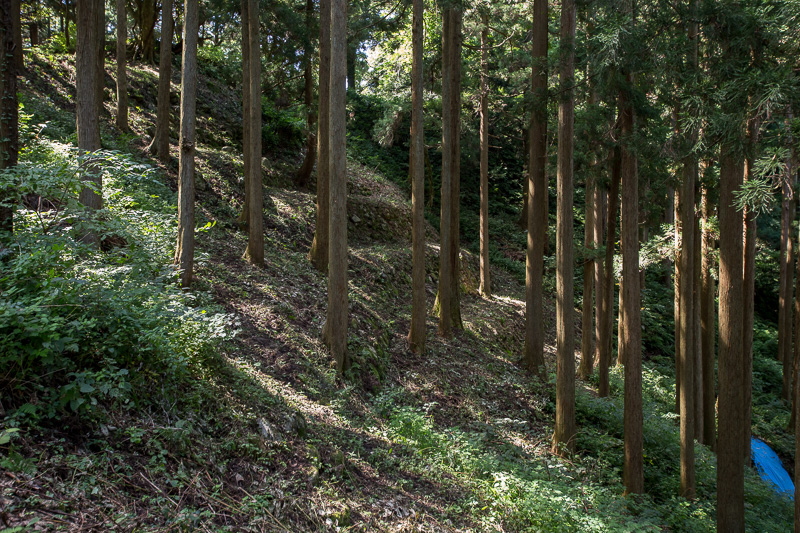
83	326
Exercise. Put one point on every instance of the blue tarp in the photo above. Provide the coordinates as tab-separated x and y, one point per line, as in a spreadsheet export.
770	468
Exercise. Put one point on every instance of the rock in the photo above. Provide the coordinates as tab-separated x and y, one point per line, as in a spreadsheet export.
227	149
296	423
268	432
355	219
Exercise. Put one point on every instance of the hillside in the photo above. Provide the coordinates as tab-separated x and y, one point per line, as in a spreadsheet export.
250	429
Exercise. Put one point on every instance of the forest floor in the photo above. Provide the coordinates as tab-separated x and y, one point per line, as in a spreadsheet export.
265	436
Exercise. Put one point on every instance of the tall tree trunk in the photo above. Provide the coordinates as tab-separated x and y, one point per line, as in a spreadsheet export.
337	319
318	255
697	325
184	252
304	173
564	437
607	319
687	327
536	194
244	217
160	142
749	281
455	166
9	106
587	314
730	466
621	355
631	302
352	51
416	335
66	21
599	229
785	300
255	217
485	275
86	115
122	63
147	24
16	34
100	55
445	234
708	325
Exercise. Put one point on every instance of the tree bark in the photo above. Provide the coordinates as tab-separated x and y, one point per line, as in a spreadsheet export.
122	73
730	466
631	302
86	114
748	281
455	167
9	105
66	21
255	217
304	173
536	194
318	255
708	325
564	437
697	335
244	217
607	319
587	311
16	34
184	252
417	334
687	325
785	295
485	274
445	235
337	319
160	142
786	299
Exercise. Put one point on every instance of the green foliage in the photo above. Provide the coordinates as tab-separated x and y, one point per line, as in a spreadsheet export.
81	326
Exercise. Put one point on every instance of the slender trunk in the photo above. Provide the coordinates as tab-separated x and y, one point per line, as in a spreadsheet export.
184	253
86	116
784	285
677	217
749	280
352	50
599	229
445	234
416	336
485	283
160	142
100	55
318	255
687	326
536	194
730	466
631	302
455	166
607	320
16	34
304	173
244	216
621	355
785	301
587	315
337	319
708	325
697	334
9	106
564	437
122	73
255	216
66	21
